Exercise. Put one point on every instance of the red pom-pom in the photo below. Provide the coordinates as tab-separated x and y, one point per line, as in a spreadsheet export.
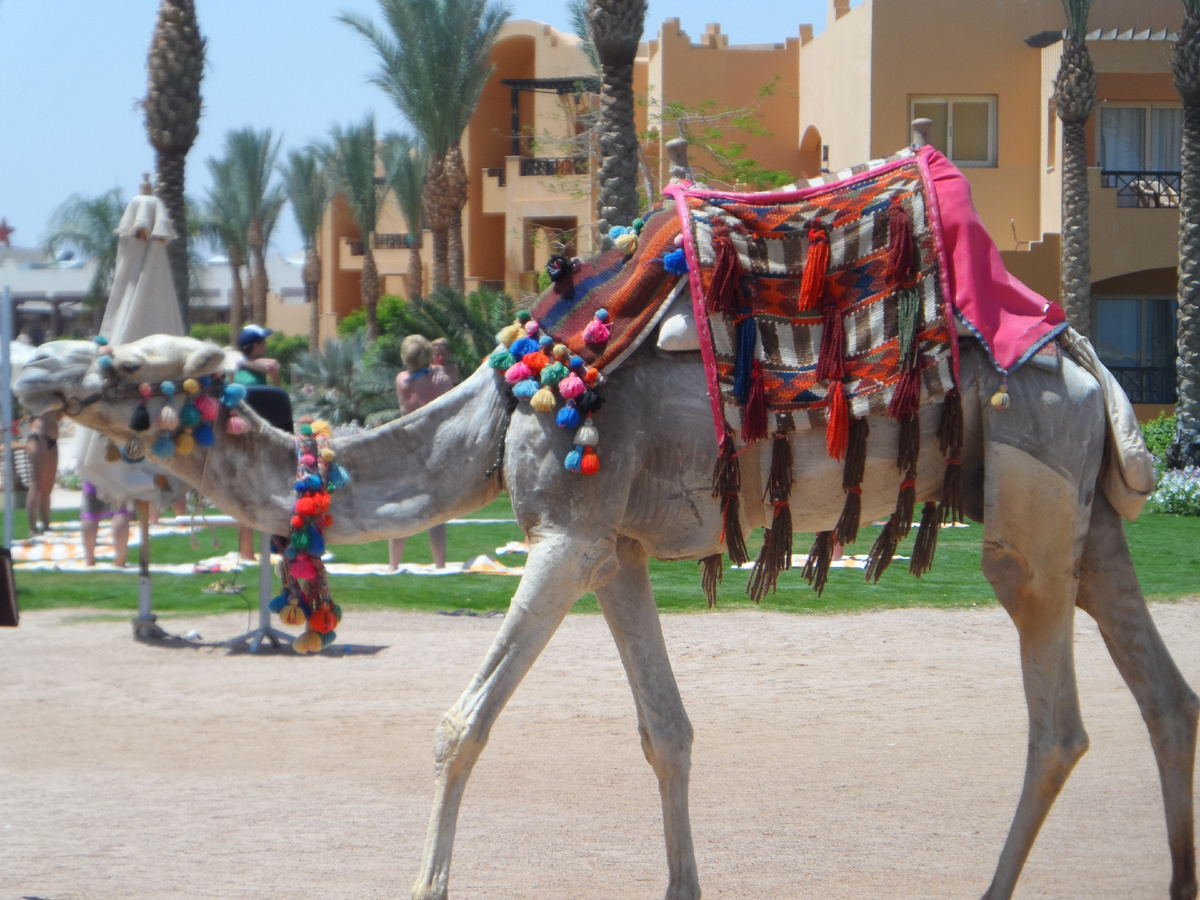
590	464
327	521
306	506
297	521
536	361
302	567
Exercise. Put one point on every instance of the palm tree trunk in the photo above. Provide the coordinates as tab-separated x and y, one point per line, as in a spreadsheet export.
457	182
258	273
312	285
1076	272
169	178
236	300
436	202
1185	62
416	273
370	288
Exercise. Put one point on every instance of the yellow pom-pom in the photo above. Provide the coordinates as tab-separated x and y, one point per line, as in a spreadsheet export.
562	352
626	243
1000	399
191	385
292	615
112	453
327	454
510	333
185	443
309	642
321	427
543	400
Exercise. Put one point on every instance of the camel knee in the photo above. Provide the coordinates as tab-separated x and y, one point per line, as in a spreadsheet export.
668	747
456	746
1056	759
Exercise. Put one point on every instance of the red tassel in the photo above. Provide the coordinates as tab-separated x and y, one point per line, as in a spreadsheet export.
812	286
725	286
902	255
590	464
906	398
837	431
754	419
831	358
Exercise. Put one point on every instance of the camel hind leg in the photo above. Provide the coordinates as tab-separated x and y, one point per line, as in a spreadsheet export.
1034	526
1110	594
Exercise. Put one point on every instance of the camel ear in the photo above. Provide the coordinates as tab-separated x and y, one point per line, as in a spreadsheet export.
205	360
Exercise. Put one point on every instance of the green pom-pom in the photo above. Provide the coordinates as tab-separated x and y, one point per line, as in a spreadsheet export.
306	430
501	359
524	316
638	224
554	373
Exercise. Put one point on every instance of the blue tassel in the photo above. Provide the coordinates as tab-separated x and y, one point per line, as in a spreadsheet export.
204	435
338	477
163	447
568	417
230	397
278	603
675	262
574	460
747	336
525	389
524	345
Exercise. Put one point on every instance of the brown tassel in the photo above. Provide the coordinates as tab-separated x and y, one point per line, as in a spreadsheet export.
731	530
909	447
812	284
754	418
713	572
904	505
831	357
779	484
950	507
950	429
856	453
906	397
775	556
926	543
837	429
902	251
846	530
882	551
816	570
727	483
724	289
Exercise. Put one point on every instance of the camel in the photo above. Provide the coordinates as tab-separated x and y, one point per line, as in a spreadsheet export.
1032	474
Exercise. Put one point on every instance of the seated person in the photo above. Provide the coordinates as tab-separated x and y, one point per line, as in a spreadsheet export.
255	366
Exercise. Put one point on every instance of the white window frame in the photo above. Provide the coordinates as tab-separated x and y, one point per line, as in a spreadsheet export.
1145	105
949	99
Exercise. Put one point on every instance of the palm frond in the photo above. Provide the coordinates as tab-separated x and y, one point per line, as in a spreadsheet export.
1077	12
88	225
308	190
350	160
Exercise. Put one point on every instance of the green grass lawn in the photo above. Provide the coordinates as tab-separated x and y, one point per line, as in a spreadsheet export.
1166	550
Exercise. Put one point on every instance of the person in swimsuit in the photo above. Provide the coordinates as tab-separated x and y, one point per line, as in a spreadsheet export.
42	449
415	387
91	512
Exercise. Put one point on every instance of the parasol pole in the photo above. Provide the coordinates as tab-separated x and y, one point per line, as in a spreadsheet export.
6	408
144	598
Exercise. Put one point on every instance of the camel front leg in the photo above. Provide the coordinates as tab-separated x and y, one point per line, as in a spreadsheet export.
558	572
1030	558
1109	592
628	605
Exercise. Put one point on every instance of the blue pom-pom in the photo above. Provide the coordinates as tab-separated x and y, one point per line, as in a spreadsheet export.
568	417
167	388
100	340
233	395
328	638
675	262
338	477
545	340
316	543
602	315
291	552
617	230
525	389
314	482
205	380
576	362
105	362
522	346
204	435
301	485
278	603
574	460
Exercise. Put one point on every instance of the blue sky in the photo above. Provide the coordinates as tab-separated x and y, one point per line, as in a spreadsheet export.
72	73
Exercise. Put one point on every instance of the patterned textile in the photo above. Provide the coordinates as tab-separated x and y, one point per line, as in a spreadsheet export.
770	233
633	289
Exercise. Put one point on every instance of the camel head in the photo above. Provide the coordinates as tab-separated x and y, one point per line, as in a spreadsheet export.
68	375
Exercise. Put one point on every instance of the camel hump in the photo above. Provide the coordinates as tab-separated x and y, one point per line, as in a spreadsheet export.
1127	476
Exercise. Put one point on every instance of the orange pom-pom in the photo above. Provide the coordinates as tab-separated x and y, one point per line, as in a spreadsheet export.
327	521
306	506
322	620
297	521
536	361
590	464
591	375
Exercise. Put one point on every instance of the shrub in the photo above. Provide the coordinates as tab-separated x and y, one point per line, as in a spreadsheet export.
286	348
217	333
1178	492
1159	435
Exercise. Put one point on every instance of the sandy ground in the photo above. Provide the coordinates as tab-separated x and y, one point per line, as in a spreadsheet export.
874	755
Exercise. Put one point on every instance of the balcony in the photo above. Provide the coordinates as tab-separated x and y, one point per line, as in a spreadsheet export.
563	165
397	241
1146	384
1144	190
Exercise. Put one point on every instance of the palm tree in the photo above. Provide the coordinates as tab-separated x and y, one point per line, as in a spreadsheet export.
335	385
577	11
172	106
433	64
468	323
1185	63
350	161
404	166
1074	100
225	224
252	155
616	29
88	225
309	190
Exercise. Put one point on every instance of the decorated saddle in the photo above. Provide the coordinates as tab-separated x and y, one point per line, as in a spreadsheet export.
816	308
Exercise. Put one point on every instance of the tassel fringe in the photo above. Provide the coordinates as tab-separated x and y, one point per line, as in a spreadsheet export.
831	356
713	571
837	429
775	556
754	418
727	483
725	288
882	551
926	543
743	369
812	284
908	325
846	530
902	251
908	450
905	502
906	398
816	570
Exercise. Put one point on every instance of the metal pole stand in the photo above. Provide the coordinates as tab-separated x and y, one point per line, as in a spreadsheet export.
264	631
145	626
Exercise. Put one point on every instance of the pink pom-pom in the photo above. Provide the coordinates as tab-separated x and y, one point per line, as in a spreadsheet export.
308	460
596	332
517	372
302	567
236	425
207	407
679	240
531	328
571	387
168	418
145	390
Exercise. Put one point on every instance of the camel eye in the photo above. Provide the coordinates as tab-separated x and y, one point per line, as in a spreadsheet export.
130	368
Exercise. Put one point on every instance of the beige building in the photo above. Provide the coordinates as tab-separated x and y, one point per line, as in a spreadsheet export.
981	70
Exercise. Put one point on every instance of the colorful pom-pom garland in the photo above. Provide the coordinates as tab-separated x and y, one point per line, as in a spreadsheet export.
540	371
305	599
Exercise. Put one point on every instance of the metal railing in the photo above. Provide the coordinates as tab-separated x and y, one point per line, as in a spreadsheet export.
357	248
1146	384
563	165
396	241
1145	190
499	173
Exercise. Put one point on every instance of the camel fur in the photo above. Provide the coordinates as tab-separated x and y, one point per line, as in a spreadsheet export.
1052	541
